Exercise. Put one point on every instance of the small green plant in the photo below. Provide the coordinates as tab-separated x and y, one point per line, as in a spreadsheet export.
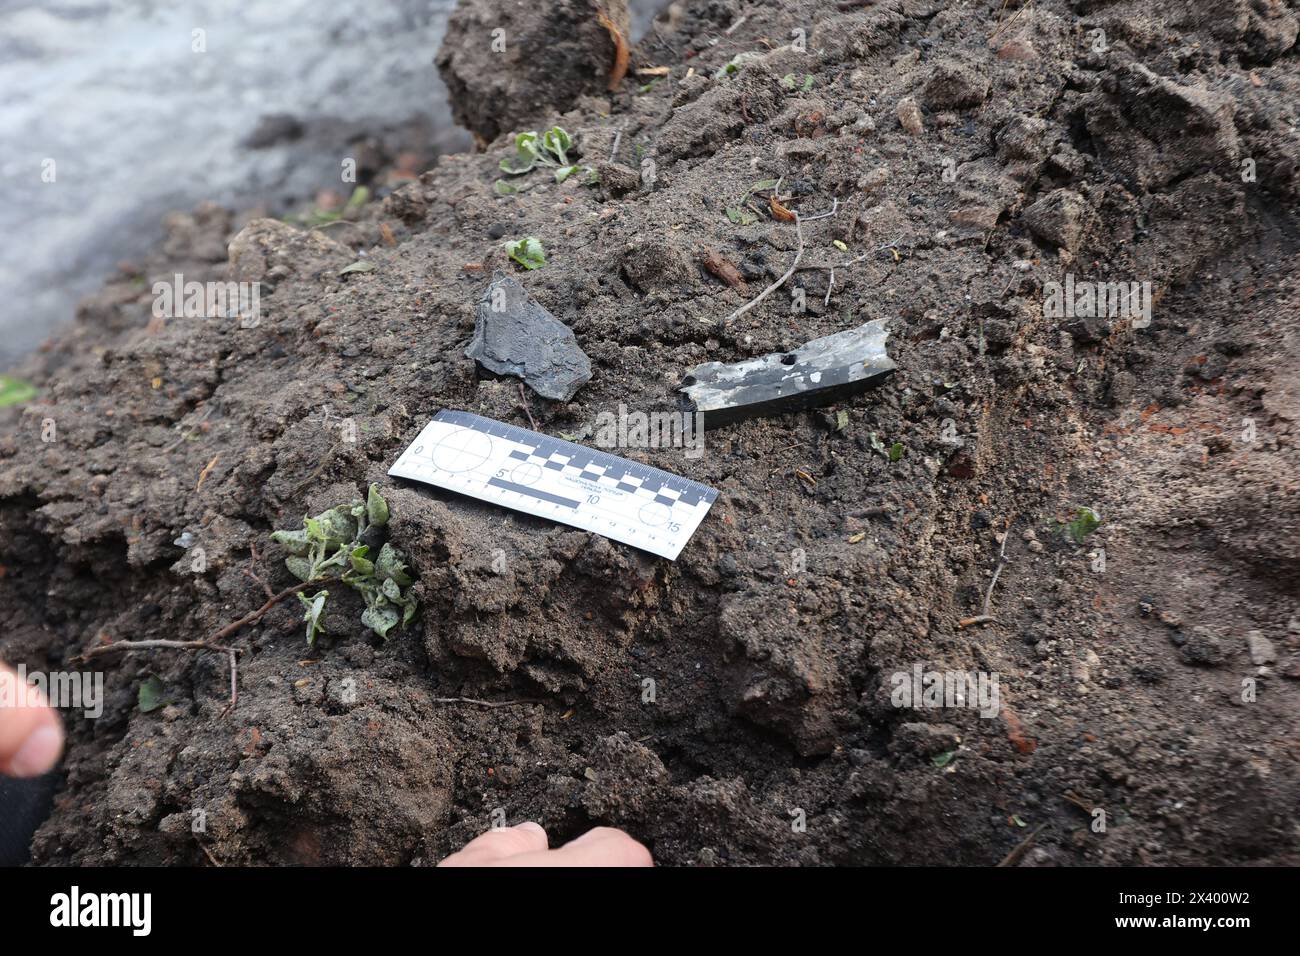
551	149
320	217
14	391
1085	522
742	213
891	452
737	63
329	548
528	252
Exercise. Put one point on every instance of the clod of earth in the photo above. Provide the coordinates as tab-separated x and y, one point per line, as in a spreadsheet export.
513	335
819	372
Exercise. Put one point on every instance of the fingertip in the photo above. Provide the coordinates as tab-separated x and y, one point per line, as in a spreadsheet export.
38	753
607	846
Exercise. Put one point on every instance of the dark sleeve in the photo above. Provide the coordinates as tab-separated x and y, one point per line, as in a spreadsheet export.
24	805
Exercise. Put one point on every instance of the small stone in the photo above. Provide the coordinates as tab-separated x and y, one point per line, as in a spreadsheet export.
874	179
1021	50
952	87
513	335
909	116
1260	647
617	179
1059	217
1203	647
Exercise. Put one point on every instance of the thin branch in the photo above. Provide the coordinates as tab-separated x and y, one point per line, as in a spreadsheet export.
254	616
732	29
523	400
148	645
481	703
1012	858
234	682
798	228
1002	553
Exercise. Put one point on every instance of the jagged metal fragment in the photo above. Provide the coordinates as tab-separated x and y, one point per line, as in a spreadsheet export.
819	372
513	335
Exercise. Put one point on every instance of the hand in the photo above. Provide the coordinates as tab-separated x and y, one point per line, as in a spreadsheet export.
525	845
31	736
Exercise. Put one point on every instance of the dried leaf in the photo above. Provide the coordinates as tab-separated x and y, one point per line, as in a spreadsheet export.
779	211
722	267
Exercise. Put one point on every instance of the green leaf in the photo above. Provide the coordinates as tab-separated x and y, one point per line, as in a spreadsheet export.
741	216
14	391
389	565
295	542
564	172
361	266
391	590
763	185
733	66
412	608
360	196
1085	523
360	563
896	451
503	188
525	157
557	142
808	82
381	620
299	567
376	507
528	252
150	696
315	608
943	759
337	525
841	420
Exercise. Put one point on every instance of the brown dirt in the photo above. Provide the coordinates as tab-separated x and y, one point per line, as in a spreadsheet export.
1121	689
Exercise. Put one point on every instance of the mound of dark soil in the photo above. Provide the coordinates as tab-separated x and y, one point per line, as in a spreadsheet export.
972	156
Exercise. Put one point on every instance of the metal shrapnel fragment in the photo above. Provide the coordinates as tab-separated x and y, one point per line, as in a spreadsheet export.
514	335
819	372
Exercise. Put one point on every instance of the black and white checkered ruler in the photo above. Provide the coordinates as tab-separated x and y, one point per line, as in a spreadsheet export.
552	478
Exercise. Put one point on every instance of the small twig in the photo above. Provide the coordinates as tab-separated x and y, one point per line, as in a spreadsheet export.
208	853
481	703
148	645
732	29
234	683
1012	858
798	227
1002	552
618	139
203	475
254	616
829	286
977	619
253	559
523	400
186	434
324	463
